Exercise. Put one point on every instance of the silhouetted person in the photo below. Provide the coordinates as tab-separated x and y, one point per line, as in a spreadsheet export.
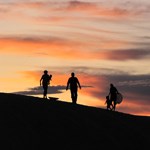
113	95
50	78
74	83
45	81
109	103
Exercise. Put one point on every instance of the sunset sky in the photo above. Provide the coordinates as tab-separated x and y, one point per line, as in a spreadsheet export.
101	41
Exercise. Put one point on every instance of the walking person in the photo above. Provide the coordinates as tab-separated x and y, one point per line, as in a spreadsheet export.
45	81
109	104
113	95
73	83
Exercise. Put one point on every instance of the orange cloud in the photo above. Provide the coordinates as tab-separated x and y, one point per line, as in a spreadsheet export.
60	48
30	46
53	48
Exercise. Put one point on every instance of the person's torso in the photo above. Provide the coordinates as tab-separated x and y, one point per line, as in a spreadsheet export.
45	79
113	90
73	82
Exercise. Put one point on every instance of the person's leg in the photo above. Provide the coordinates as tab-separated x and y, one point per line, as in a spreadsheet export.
113	99
111	106
114	105
45	87
43	92
107	106
75	95
72	95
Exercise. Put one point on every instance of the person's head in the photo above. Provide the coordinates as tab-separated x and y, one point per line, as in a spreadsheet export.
111	85
45	71
72	74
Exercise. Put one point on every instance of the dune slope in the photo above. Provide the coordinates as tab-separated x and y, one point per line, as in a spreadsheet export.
28	122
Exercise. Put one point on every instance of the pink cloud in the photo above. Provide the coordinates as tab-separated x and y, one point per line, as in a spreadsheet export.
48	8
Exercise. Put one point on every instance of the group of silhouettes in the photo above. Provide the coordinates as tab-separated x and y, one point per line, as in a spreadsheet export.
111	98
73	83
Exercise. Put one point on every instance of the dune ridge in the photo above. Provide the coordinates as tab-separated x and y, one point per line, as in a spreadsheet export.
34	123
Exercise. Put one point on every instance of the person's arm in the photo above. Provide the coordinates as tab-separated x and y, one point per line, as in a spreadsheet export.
106	101
109	93
68	84
41	80
78	83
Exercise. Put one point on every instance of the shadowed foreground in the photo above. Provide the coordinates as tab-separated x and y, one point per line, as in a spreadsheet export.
33	123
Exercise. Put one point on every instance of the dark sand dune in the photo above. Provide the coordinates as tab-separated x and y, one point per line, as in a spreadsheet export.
33	123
